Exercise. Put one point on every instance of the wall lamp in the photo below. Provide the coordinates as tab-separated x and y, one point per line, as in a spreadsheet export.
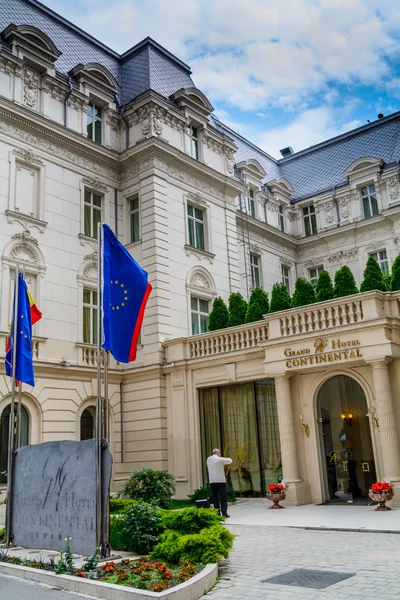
371	413
304	426
347	417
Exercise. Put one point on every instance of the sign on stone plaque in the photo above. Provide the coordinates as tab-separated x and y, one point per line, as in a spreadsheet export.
54	495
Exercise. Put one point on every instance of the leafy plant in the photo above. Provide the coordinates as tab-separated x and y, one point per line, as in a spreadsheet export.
117	534
373	277
218	315
280	298
204	493
140	526
148	485
237	309
120	505
395	283
324	287
345	284
304	293
190	520
90	566
2	535
387	280
258	305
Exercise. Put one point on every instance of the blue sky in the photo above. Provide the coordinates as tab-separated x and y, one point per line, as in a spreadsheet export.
282	73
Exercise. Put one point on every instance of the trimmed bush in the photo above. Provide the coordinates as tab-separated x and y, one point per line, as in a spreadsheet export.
204	493
2	535
373	277
147	485
120	505
280	298
345	284
258	305
218	315
140	527
324	287
190	520
304	293
395	283
387	280
237	309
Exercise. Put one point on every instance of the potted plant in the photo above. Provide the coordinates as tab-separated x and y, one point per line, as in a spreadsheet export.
381	492
276	493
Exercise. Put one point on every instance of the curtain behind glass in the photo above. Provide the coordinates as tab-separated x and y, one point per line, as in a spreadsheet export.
271	457
209	426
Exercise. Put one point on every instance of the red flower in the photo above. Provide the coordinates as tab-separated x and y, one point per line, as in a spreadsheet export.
275	488
381	487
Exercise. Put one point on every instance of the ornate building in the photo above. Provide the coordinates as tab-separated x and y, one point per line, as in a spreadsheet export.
88	135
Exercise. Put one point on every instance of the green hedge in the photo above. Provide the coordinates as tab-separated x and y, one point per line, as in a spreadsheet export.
120	505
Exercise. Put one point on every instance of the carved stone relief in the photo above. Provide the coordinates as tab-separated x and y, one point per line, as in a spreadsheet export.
229	161
95	183
329	210
393	188
90	271
196	198
344	208
28	156
25	236
343	255
31	82
199	280
24	254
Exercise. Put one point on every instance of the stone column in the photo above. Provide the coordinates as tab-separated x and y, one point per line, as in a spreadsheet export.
297	492
387	425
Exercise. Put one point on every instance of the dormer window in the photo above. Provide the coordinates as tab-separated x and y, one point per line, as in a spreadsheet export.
370	203
251	203
194	142
309	220
94	122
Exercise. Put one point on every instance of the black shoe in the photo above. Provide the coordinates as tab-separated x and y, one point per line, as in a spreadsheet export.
226	516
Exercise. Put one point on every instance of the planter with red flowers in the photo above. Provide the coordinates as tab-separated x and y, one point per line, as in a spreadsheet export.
276	493
381	492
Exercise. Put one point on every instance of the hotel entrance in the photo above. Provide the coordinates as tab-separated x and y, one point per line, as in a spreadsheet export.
345	439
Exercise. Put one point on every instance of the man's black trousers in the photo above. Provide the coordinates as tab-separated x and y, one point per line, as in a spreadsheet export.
218	497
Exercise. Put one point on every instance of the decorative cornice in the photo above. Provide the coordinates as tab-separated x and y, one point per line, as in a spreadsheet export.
95	183
28	156
25	236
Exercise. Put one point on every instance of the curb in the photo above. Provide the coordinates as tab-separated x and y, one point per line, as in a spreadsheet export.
193	589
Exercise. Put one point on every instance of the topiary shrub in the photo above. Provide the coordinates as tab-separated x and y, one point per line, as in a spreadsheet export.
147	485
120	505
280	298
345	284
373	277
387	280
324	287
140	527
258	305
204	493
304	293
237	309
395	282
190	520
218	315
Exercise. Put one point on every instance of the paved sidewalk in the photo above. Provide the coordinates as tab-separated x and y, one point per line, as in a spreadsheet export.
262	552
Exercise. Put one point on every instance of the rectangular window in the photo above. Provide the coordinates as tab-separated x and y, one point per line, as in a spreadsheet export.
370	203
313	274
94	123
281	219
196	227
252	203
200	315
309	220
255	270
286	276
89	316
194	142
134	229
92	213
381	257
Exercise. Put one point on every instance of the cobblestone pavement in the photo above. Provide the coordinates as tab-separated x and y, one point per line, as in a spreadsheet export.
262	552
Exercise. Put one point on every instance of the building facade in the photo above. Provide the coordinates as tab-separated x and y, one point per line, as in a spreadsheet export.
87	135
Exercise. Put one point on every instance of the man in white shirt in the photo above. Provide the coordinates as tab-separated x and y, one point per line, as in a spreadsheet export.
216	476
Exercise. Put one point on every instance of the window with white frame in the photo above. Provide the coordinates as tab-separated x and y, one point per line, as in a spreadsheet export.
92	213
200	313
286	276
281	218
134	218
382	258
196	227
370	203
313	274
255	270
309	220
194	142
89	316
251	203
94	122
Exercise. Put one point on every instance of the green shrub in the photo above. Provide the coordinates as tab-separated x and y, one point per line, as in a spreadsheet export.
140	527
373	277
324	287
237	309
304	293
204	493
120	505
258	306
118	539
2	535
395	283
218	315
345	284
387	280
190	520
147	485
280	298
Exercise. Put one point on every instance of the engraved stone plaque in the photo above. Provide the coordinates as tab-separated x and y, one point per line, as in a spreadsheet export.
54	495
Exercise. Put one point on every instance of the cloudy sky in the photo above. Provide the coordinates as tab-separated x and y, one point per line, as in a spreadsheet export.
280	72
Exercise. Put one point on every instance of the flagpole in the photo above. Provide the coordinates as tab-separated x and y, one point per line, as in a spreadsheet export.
18	428
11	429
99	403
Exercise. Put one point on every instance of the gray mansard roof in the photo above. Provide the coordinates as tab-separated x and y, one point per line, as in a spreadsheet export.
148	66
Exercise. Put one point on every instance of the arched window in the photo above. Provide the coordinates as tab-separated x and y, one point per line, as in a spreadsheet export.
4	429
88	423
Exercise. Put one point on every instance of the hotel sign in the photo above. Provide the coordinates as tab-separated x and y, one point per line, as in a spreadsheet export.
324	351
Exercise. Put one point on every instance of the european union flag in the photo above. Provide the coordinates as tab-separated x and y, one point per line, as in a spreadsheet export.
125	293
23	324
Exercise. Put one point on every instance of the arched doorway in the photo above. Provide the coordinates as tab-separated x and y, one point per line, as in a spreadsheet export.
88	423
4	429
346	444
